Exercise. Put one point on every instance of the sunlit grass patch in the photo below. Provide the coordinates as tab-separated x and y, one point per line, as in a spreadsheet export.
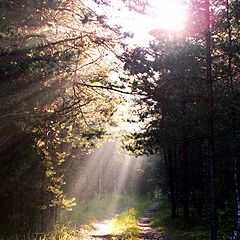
126	223
60	232
65	233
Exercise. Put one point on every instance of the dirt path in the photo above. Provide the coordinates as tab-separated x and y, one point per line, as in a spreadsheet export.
147	232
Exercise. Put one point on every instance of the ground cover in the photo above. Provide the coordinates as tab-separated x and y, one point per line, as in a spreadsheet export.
195	229
76	224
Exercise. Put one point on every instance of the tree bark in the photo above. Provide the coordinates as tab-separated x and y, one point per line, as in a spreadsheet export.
172	185
171	180
185	166
211	140
236	162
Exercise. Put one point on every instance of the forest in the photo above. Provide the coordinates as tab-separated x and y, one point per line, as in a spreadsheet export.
121	109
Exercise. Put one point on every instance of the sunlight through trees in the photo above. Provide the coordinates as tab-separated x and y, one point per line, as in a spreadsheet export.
116	98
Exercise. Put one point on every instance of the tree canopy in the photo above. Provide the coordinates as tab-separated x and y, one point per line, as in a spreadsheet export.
59	100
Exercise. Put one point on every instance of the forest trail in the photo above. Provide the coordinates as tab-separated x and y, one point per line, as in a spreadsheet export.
147	232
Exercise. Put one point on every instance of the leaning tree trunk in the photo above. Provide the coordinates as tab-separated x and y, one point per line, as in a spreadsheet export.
211	139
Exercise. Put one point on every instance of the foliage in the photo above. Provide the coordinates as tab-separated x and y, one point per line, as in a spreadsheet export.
56	103
169	80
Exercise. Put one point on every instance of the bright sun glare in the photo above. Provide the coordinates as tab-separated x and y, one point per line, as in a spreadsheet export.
168	15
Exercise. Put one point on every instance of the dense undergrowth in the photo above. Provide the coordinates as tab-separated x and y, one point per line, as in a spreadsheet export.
197	228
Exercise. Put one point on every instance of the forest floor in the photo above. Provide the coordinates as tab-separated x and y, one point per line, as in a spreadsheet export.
102	229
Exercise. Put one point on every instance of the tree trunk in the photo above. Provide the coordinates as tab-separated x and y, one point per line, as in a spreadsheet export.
236	177
236	162
185	166
171	180
210	123
172	185
175	176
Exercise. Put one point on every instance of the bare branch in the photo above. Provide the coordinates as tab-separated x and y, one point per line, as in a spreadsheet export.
110	88
5	140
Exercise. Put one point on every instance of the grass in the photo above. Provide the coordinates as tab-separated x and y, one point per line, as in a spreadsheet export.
59	233
194	230
98	208
126	223
75	224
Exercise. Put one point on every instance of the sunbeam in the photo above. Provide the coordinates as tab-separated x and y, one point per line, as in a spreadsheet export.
107	170
105	163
